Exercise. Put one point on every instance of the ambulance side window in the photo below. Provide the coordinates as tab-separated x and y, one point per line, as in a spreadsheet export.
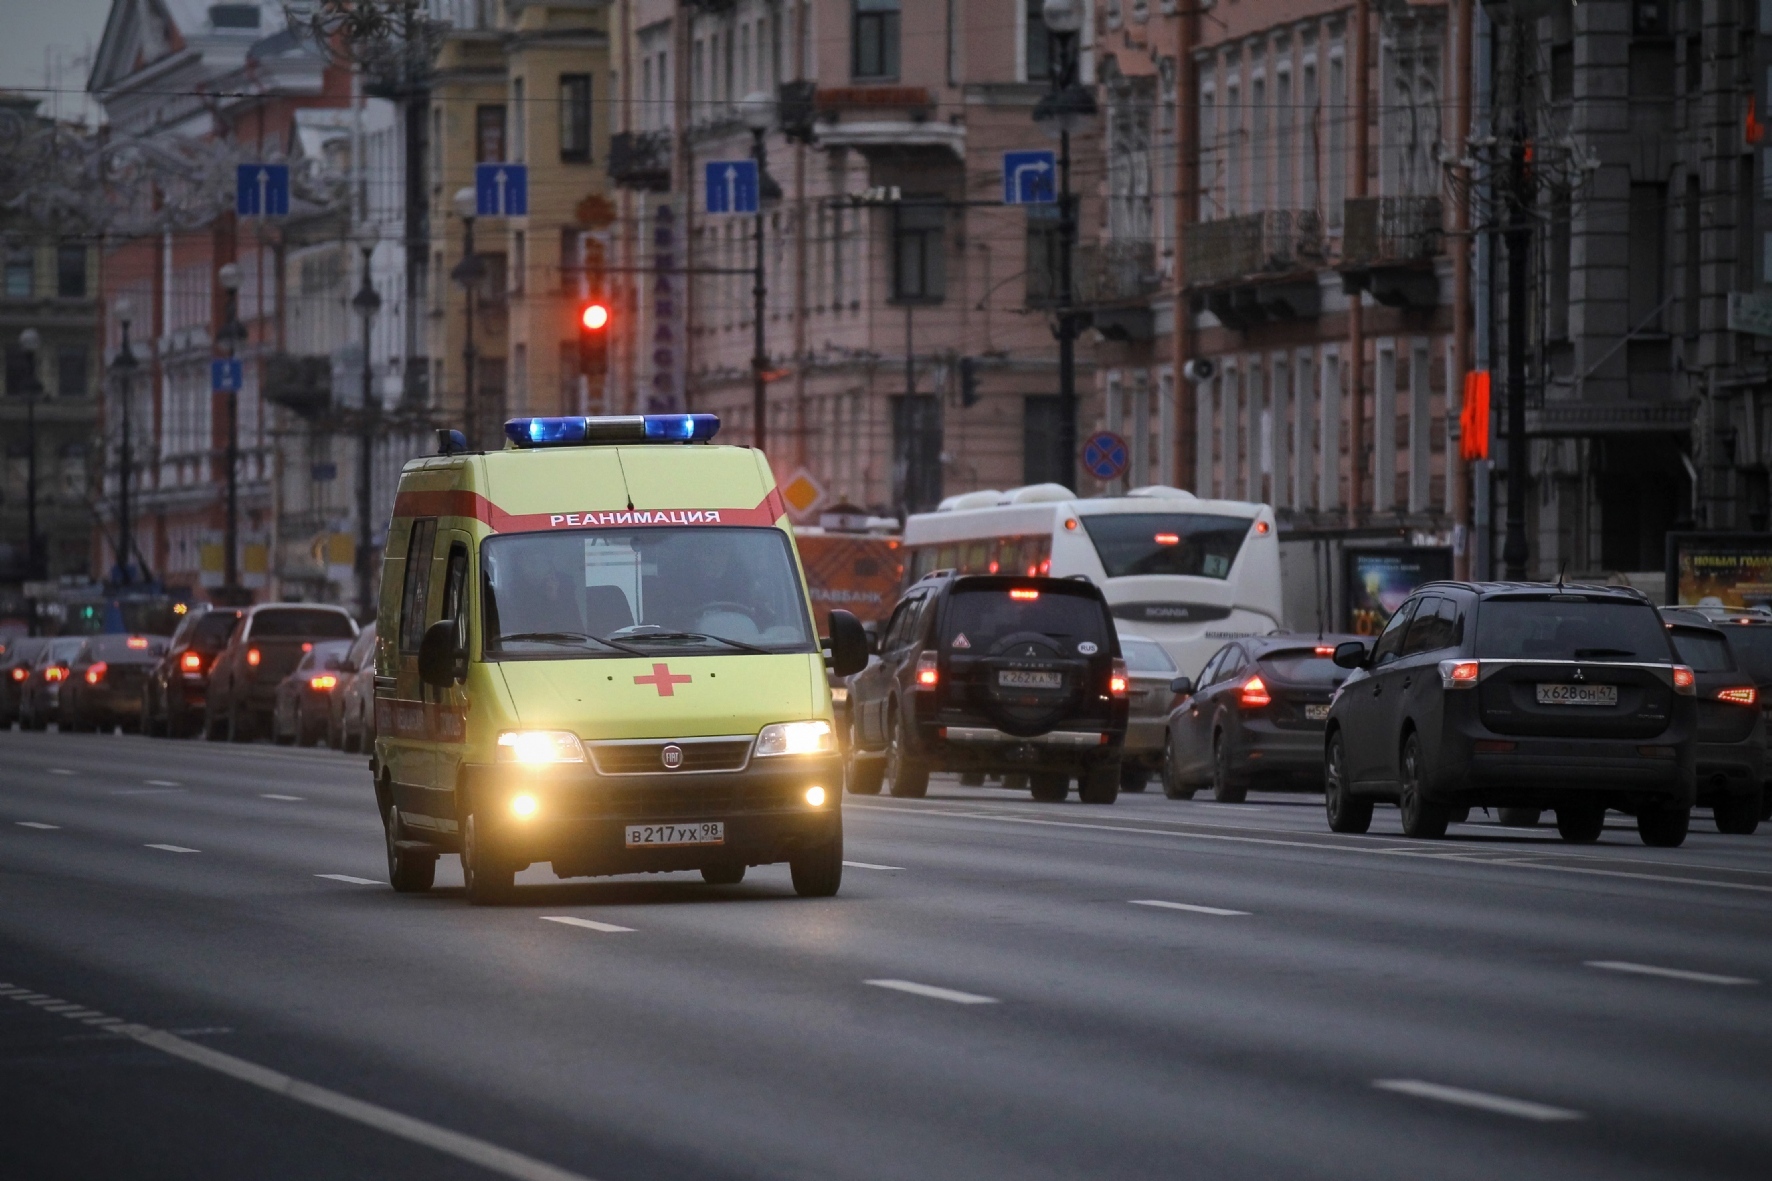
416	592
455	583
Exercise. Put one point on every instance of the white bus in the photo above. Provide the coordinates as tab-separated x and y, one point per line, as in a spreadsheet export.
1186	572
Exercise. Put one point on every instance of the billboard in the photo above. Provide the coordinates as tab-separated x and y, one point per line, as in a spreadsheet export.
1376	581
1719	569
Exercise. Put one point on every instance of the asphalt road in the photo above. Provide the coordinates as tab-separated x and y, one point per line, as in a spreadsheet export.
1001	990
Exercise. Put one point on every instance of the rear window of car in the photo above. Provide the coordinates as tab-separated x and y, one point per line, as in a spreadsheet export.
1705	651
58	650
293	623
986	616
1570	627
1752	645
126	648
213	629
319	654
1145	656
1302	666
1204	545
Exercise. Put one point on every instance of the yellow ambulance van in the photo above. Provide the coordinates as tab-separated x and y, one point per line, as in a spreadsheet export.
595	649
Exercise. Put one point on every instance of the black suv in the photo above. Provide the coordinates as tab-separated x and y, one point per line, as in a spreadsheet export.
988	673
1731	726
1522	695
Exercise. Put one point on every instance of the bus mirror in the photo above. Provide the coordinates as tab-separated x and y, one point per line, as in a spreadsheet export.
848	643
438	658
1350	654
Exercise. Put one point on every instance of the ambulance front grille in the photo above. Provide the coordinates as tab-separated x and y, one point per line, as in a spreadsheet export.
647	757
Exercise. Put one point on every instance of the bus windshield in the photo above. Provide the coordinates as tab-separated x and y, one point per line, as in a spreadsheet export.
626	592
1200	545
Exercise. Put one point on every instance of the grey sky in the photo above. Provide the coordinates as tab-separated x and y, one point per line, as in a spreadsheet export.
70	27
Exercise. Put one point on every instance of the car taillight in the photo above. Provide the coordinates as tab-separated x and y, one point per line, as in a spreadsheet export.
252	657
1255	693
54	673
19	674
1738	696
1120	680
1323	650
323	681
1024	594
928	676
96	673
137	643
1684	681
1459	674
191	662
306	646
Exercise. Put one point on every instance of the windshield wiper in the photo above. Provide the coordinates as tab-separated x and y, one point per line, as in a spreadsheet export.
567	638
1595	653
739	644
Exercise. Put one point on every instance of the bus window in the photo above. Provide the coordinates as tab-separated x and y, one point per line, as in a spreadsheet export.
1198	544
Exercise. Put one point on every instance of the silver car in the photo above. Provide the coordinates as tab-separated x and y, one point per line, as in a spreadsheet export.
1151	698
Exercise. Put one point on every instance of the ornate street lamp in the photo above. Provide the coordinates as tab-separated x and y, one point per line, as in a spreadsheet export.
468	273
758	112
230	337
366	302
124	367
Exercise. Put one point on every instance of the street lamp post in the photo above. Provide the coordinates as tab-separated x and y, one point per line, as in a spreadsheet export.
468	273
1067	106
759	115
30	342
124	365
367	302
231	335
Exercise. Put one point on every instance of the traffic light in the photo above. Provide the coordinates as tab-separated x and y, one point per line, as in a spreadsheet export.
593	339
968	381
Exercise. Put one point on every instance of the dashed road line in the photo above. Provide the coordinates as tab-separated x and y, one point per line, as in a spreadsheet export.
1189	906
587	924
349	880
952	995
148	791
172	848
62	771
271	795
35	824
1667	973
869	865
161	782
1481	1100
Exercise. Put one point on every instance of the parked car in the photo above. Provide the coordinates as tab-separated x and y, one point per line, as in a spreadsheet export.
104	683
993	674
1148	701
1749	631
266	646
1256	716
177	685
1731	729
1499	694
16	657
304	698
40	691
350	713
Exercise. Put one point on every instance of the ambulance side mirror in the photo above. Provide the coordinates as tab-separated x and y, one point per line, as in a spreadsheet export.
848	644
438	656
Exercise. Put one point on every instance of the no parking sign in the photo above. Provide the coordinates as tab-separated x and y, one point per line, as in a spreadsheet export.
1105	455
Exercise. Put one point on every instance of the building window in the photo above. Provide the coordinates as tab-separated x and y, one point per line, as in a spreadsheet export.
575	117
1037	42
519	263
1042	441
874	39
489	134
1043	256
18	271
71	371
519	121
918	267
70	271
19	374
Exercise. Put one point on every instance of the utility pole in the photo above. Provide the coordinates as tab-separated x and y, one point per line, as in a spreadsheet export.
231	335
366	302
1520	201
125	369
468	273
759	116
30	342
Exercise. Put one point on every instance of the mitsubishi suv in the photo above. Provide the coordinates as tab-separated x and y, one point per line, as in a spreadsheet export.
1525	695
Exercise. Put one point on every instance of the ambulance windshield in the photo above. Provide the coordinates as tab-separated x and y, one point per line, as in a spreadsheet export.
622	592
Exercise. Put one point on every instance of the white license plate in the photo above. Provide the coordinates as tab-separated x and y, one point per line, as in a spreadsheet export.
1578	695
648	836
1015	678
1316	713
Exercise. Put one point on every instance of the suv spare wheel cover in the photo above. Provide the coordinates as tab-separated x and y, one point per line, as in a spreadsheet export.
1023	706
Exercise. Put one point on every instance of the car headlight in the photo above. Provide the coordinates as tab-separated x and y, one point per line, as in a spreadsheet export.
797	738
540	746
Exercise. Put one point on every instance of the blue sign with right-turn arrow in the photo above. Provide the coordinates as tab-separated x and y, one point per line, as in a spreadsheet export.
1030	178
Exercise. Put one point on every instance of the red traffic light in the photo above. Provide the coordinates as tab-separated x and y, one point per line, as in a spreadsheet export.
594	317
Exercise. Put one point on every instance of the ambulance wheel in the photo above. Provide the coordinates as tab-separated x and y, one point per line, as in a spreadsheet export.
486	879
818	872
908	776
722	875
408	873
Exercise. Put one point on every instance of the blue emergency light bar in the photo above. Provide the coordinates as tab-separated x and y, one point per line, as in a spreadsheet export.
616	428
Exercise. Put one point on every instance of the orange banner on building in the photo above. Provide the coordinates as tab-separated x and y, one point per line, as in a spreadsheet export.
1473	419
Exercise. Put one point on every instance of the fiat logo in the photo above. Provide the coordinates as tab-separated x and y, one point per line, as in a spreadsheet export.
671	756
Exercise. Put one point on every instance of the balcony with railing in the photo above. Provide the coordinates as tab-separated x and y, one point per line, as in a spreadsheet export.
1388	247
641	160
1256	267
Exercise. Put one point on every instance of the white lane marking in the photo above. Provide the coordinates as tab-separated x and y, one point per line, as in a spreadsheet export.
161	782
869	865
587	924
148	791
1481	1100
1669	973
60	771
934	993
173	849
271	795
35	824
1186	906
1323	846
347	878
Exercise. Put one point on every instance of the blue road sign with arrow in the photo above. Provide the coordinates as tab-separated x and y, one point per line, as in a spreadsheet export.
501	190
261	190
1030	178
732	186
226	375
1106	455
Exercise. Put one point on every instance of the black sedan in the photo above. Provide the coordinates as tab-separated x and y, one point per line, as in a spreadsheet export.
104	684
17	653
1256	715
304	697
1731	728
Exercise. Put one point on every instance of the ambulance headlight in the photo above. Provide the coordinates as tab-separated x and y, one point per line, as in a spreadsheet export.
540	746
797	738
